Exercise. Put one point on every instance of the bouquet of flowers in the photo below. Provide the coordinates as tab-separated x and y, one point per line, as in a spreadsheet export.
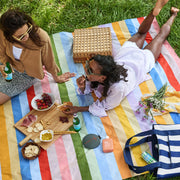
155	102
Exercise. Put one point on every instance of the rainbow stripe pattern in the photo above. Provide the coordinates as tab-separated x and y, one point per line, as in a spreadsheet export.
67	159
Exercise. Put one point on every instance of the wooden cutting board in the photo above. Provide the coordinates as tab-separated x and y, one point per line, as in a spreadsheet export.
50	120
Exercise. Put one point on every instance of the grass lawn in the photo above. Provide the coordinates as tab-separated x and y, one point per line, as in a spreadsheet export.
67	15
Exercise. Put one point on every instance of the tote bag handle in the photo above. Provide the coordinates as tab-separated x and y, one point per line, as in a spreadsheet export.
127	154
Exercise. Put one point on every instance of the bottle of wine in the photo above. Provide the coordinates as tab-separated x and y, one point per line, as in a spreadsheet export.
8	71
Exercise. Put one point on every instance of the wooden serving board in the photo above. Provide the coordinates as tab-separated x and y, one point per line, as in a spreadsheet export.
50	120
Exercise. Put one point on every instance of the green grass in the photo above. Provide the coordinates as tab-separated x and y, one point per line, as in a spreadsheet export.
67	15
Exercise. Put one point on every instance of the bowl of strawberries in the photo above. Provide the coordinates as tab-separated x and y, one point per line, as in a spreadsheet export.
43	102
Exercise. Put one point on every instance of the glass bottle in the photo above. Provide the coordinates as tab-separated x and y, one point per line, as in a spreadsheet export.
8	71
76	123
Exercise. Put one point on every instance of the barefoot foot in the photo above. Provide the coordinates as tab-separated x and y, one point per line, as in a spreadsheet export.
174	10
159	5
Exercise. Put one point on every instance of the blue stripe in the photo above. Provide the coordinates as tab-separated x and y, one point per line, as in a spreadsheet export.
131	27
164	153
162	142
174	143
92	123
17	113
34	165
168	175
175	154
161	73
156	78
175	117
169	154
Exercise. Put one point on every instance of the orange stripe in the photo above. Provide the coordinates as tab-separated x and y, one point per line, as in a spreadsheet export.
4	155
118	151
118	32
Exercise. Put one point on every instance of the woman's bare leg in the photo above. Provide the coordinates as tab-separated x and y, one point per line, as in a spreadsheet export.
159	5
3	98
140	36
155	45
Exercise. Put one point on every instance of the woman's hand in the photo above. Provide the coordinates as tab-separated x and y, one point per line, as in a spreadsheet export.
81	83
2	70
64	77
75	109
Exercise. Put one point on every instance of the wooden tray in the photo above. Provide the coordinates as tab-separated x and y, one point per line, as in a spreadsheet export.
52	117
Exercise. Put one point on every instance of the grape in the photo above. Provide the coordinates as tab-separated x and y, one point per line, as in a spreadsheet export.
45	102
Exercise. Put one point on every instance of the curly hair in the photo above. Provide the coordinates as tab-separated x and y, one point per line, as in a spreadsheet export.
113	72
12	20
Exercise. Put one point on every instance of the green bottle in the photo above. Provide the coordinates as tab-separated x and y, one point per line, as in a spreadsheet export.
8	71
76	123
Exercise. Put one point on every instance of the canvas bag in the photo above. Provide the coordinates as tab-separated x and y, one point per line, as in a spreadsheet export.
165	141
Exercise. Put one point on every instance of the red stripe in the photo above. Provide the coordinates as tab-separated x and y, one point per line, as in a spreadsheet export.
44	165
169	73
140	19
30	95
164	64
43	159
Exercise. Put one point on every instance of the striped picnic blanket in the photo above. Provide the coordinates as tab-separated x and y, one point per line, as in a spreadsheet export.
67	159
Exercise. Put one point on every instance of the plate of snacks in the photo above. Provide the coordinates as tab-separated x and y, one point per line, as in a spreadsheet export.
43	102
30	150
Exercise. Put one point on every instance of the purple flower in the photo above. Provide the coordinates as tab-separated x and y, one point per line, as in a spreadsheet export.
151	105
140	104
152	120
145	106
144	118
137	111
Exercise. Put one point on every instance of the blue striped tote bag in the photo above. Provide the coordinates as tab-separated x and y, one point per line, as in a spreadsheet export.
165	143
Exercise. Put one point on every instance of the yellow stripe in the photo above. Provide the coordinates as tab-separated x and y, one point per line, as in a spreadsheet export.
118	32
13	147
4	155
124	30
146	86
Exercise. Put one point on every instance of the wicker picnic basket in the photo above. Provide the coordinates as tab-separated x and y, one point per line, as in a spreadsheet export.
89	42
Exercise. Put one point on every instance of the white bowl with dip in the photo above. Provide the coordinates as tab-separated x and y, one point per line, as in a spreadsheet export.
46	135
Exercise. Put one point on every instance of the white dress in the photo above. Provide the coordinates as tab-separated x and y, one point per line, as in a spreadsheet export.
138	62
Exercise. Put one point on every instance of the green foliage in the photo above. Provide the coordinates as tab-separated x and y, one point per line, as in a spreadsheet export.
67	15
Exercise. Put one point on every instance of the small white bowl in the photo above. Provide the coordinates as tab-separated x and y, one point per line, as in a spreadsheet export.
39	96
48	132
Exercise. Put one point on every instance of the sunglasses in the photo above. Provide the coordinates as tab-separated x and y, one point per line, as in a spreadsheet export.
89	70
23	35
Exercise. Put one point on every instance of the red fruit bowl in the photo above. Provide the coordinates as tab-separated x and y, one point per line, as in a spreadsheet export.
43	102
